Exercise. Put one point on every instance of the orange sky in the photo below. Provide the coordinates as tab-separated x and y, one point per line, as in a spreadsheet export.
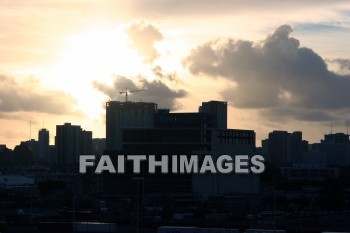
61	60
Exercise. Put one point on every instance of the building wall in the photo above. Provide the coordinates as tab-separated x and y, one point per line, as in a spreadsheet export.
219	111
222	184
86	142
336	148
121	115
68	144
71	142
309	172
163	133
284	148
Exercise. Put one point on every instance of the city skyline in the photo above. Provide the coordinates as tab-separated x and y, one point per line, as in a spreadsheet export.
34	135
287	71
126	121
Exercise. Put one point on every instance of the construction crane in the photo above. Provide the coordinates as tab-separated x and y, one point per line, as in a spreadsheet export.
126	92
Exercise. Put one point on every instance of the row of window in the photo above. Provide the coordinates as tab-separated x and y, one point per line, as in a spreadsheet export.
232	140
234	133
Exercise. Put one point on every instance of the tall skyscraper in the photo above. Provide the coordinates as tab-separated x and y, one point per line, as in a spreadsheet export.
44	141
71	142
219	111
121	115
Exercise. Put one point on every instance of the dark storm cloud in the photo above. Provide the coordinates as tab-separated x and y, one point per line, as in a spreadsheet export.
30	97
282	114
152	91
276	76
143	38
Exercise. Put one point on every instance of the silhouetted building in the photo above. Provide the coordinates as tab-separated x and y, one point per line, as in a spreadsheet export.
279	147
5	155
164	119
284	148
309	172
305	146
336	148
44	141
339	138
126	184
2	148
296	146
86	142
121	115
34	147
314	157
219	111
68	143
182	134
183	140
23	153
98	146
52	155
71	141
265	148
174	140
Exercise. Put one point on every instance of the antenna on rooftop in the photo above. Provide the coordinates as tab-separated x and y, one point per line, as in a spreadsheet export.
126	92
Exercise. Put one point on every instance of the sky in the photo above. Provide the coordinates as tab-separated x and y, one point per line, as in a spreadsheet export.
280	65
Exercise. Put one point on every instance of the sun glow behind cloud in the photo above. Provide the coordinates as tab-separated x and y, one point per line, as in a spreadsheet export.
89	56
67	46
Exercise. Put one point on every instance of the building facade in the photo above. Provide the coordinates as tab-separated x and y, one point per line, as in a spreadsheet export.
219	111
71	142
120	115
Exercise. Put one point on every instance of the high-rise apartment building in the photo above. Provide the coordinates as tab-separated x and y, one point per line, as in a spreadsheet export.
71	142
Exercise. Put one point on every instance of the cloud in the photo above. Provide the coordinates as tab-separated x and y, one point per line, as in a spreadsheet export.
205	7
15	116
163	75
143	38
283	114
30	97
277	76
152	91
340	65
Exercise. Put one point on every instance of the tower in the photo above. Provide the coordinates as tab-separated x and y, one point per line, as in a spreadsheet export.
44	141
219	111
